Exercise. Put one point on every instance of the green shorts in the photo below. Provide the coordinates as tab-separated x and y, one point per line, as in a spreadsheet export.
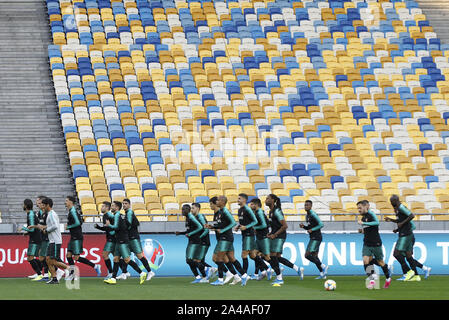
109	246
263	246
122	250
192	251
54	251
202	251
75	247
413	244
276	245
224	246
405	243
43	249
313	246
248	243
135	246
375	252
33	249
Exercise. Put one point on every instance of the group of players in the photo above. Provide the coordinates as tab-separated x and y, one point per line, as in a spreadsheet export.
263	238
45	240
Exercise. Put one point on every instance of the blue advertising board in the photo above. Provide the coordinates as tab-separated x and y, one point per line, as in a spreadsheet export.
341	251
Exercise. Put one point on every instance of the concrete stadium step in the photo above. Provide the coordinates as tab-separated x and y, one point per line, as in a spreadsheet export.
34	158
437	12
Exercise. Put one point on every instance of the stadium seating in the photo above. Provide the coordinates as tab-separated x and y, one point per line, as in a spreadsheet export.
168	102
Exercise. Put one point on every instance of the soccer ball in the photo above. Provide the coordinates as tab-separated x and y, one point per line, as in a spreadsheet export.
330	285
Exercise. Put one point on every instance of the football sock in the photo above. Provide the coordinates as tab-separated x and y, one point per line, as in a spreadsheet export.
386	271
192	266
238	266
108	264
35	266
70	261
145	264
314	259
123	266
401	259
274	262
412	264
365	266
86	261
418	264
135	266
220	269
206	264
287	263
262	265
231	268
39	265
115	269
202	268
45	266
256	267
374	261
245	264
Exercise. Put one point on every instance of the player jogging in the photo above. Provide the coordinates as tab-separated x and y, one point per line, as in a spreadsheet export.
313	227
134	237
205	241
55	241
404	246
225	247
262	241
372	243
419	265
34	241
109	246
247	220
75	246
193	230
42	220
228	267
278	232
121	226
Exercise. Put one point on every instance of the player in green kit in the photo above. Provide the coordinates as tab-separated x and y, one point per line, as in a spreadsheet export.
262	241
228	268
372	243
225	247
34	241
247	220
193	231
42	220
109	246
75	246
205	241
419	265
278	232
134	237
313	227
55	240
121	226
404	246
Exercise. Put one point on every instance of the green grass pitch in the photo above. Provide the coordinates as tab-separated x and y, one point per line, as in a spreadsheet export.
167	288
